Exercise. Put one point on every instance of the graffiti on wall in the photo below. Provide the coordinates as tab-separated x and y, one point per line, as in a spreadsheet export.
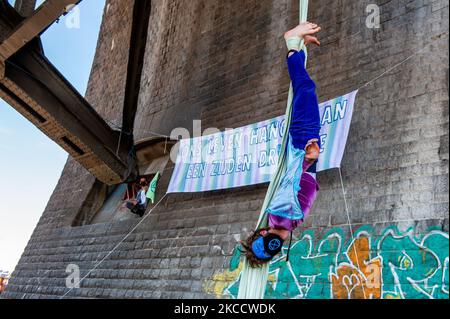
393	265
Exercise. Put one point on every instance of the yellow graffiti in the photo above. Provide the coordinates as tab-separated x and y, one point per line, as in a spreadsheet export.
221	280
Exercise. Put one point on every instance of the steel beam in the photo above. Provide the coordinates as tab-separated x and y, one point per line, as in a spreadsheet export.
34	25
35	88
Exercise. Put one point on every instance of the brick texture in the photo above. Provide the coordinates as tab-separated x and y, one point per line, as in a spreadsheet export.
223	62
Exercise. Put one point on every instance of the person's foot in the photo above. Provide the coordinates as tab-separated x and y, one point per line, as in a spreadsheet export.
302	30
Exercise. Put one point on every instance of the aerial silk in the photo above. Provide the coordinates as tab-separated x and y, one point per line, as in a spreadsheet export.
253	281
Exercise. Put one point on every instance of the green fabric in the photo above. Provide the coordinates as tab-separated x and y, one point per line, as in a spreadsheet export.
151	194
253	281
293	43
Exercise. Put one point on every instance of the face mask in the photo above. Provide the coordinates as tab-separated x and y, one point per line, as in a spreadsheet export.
266	247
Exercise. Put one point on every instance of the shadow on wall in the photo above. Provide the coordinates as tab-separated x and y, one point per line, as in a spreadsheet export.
394	265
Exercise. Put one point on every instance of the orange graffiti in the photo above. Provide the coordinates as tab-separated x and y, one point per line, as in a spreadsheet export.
361	278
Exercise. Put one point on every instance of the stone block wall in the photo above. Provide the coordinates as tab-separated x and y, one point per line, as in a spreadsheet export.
222	62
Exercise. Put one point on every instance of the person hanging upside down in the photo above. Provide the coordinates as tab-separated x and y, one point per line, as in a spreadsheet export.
298	188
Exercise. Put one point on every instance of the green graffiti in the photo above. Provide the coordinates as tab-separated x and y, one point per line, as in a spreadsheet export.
391	265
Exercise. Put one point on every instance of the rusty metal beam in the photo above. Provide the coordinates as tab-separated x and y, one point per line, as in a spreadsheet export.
35	88
138	41
34	25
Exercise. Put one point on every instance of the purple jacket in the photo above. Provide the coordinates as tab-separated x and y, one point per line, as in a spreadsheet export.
306	196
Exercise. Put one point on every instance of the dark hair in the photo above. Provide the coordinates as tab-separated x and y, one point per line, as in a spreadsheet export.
143	183
254	261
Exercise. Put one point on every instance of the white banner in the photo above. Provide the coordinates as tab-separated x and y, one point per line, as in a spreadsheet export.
249	155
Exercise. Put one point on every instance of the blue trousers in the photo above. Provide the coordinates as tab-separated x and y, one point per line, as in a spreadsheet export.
305	123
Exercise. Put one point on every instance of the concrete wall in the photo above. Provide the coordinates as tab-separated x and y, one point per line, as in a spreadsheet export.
223	62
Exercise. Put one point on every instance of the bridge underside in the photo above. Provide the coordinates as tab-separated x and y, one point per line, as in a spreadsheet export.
35	88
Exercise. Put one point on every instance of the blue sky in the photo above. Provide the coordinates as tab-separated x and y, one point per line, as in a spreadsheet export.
31	163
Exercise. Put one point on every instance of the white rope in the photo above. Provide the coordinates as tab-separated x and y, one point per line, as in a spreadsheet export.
118	143
165	146
340	171
115	247
351	228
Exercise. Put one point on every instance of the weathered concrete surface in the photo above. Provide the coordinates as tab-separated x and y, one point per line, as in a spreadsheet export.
223	62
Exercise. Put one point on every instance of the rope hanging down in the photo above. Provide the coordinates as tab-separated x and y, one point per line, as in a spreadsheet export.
344	193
